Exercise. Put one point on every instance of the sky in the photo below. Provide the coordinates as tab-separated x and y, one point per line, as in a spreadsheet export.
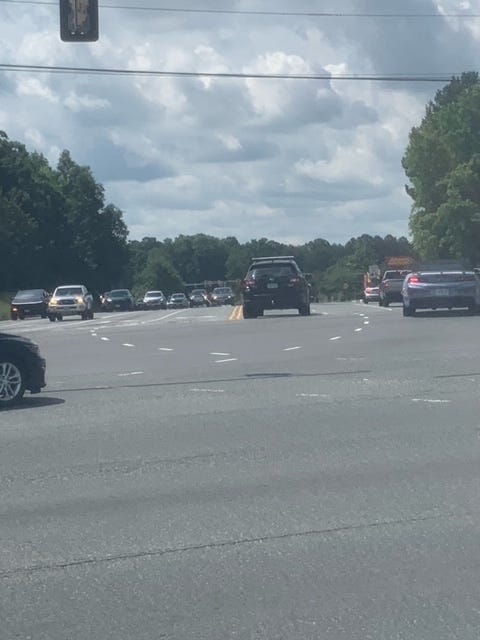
289	160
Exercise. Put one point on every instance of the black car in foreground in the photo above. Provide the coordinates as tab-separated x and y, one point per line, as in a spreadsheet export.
21	368
29	302
275	283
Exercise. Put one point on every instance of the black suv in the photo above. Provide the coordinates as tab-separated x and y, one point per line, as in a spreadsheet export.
29	302
21	367
274	283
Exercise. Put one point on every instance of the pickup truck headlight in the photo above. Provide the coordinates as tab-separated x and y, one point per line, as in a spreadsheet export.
79	300
53	302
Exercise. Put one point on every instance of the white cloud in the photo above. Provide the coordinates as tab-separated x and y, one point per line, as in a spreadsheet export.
285	159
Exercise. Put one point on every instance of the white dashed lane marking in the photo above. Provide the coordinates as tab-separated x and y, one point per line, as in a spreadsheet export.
218	353
335	338
227	360
127	344
105	339
292	348
164	349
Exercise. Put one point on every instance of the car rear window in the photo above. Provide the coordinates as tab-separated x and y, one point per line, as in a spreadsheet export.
447	277
275	271
395	275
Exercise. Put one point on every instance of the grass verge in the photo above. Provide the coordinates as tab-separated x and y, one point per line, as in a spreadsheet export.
4	306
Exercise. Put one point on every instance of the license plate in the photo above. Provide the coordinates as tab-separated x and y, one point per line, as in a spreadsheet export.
272	285
441	292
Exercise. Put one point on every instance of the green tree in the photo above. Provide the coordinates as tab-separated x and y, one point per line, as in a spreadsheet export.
442	164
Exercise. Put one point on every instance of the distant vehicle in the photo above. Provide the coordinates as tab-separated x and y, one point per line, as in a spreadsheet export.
119	300
70	300
29	302
199	298
178	301
21	368
275	283
103	300
223	295
441	290
390	287
154	300
371	294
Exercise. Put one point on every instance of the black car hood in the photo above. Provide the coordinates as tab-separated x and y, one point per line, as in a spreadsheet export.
10	337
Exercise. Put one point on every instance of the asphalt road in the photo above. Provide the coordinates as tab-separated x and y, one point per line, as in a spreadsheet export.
187	476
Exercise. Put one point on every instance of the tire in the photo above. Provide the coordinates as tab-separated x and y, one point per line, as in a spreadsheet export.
59	317
13	316
43	315
260	312
21	315
12	381
365	301
91	314
52	317
248	311
304	310
386	302
408	312
380	303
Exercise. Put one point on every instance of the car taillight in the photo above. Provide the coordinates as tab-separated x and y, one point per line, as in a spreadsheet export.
413	280
293	281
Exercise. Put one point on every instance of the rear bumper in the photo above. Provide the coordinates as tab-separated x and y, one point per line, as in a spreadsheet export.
392	296
447	302
269	301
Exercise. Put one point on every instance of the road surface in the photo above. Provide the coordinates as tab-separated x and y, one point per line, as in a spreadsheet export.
189	476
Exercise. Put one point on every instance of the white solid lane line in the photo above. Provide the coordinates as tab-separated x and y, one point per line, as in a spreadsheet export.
132	373
431	401
208	390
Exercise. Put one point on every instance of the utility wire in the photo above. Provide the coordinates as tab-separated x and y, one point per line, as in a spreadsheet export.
197	74
306	14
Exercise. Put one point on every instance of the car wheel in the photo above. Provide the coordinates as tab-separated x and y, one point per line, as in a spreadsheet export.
13	316
304	310
59	317
260	312
52	317
248	311
408	311
365	301
21	315
43	315
91	314
12	381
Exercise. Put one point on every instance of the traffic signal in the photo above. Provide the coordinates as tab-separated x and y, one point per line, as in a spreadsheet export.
79	20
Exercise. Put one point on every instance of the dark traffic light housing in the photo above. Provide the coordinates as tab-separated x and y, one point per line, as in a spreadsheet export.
79	20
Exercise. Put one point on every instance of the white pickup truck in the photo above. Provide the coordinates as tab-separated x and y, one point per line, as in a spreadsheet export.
70	300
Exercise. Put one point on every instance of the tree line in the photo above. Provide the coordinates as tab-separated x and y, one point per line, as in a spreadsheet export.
55	225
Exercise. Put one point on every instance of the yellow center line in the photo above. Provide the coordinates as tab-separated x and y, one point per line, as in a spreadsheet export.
236	313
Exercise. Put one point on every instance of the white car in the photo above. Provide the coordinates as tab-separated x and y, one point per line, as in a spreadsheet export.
70	300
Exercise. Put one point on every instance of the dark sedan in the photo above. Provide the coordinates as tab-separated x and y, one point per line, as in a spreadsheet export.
223	295
119	300
29	302
441	290
21	368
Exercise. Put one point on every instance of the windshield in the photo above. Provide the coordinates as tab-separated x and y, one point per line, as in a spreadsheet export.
198	292
119	293
154	294
68	291
25	296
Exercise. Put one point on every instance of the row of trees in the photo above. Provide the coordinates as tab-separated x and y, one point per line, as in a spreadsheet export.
55	225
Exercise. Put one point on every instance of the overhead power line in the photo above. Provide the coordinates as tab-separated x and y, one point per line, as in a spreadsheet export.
207	74
246	12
